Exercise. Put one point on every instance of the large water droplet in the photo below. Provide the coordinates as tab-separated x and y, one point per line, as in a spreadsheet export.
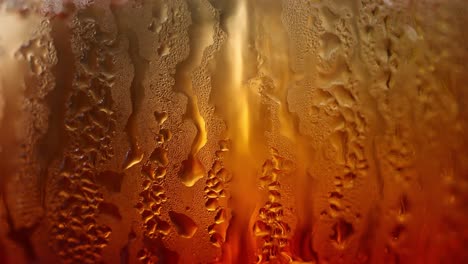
160	155
191	171
342	230
134	156
184	225
160	117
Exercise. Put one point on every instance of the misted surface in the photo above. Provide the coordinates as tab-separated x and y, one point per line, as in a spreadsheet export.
234	131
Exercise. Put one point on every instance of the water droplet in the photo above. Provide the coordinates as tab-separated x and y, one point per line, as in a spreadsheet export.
216	239
184	225
397	231
165	134
222	193
160	155
139	206
211	194
224	145
191	171
163	50
163	227
146	184
212	229
133	157
212	204
336	195
160	117
146	214
160	172
222	175
274	195
150	225
152	26
342	230
220	216
348	180
141	255
156	208
343	95
218	186
211	182
157	189
261	229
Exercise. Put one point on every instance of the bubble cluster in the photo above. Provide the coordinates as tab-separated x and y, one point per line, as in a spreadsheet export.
215	192
89	125
272	231
153	196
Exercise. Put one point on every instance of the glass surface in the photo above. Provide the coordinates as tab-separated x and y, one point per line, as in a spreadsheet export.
234	131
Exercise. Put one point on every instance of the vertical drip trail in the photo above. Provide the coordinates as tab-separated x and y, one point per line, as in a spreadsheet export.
200	37
137	88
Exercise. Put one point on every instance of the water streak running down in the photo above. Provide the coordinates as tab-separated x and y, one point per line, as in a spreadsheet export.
233	131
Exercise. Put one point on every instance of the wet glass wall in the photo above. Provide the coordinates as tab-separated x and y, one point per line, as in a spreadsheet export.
234	131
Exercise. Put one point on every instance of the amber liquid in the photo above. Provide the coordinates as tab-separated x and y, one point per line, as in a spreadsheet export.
234	131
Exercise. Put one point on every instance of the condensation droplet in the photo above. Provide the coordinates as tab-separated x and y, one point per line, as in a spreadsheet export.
161	117
191	171
341	231
185	226
133	157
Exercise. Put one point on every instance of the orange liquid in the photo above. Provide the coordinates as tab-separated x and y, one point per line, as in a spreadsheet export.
234	131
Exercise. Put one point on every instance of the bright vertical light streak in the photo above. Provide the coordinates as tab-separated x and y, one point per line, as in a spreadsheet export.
237	29
238	244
